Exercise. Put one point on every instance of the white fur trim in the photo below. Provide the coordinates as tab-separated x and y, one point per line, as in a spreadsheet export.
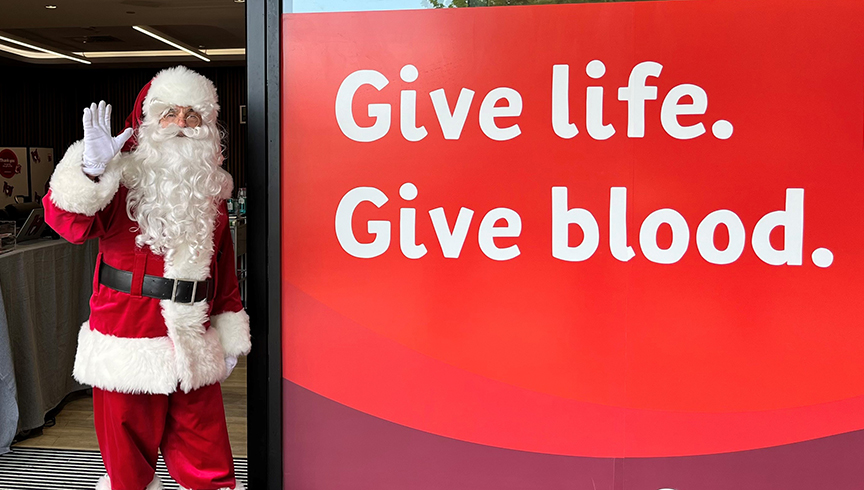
182	87
188	356
233	328
125	365
104	483
156	484
238	486
200	360
73	191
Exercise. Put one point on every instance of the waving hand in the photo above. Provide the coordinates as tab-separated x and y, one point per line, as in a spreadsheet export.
99	146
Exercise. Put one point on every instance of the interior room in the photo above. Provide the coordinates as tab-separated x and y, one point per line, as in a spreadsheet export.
56	59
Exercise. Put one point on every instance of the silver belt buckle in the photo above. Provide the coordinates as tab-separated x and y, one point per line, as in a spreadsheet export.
191	298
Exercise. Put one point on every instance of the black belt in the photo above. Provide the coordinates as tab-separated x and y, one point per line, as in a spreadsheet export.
176	290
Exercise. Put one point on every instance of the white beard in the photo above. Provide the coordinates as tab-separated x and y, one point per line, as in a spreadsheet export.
174	183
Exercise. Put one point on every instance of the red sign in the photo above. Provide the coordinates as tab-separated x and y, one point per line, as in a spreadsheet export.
613	230
9	165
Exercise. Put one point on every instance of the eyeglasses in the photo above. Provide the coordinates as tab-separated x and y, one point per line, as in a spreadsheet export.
189	116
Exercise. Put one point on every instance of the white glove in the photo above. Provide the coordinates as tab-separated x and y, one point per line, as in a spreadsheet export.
230	364
99	146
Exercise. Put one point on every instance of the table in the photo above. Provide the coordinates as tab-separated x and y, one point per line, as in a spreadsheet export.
45	289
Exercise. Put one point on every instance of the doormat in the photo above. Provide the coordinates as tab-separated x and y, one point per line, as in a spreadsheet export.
27	468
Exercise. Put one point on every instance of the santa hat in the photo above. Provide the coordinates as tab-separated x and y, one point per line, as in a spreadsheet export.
177	86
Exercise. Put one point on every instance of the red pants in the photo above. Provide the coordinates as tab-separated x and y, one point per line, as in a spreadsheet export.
188	427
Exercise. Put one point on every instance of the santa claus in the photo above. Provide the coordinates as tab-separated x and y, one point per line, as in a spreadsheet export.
166	322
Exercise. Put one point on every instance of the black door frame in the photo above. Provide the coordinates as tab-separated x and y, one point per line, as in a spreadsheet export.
264	302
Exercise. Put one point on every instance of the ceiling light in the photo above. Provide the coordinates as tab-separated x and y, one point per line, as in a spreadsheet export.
239	1
50	7
227	52
26	53
159	53
169	41
15	40
33	55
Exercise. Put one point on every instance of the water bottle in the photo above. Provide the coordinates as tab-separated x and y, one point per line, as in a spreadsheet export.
241	201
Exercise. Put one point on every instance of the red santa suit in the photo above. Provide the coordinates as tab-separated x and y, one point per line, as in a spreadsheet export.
155	364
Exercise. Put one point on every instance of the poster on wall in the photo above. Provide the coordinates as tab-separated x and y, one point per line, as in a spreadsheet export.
13	174
602	246
41	168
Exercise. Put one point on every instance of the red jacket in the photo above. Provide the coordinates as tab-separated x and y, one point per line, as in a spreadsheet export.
133	343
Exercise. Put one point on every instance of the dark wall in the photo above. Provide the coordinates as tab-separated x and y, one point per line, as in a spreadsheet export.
42	106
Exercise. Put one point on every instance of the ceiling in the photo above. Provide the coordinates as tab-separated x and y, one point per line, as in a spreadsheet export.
106	26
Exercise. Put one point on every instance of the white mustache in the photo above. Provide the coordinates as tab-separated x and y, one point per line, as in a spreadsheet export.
173	130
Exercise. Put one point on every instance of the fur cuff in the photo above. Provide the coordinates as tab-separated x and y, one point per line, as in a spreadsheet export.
233	328
73	191
125	365
200	360
104	483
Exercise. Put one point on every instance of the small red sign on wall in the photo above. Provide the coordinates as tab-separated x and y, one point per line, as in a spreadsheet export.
9	165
